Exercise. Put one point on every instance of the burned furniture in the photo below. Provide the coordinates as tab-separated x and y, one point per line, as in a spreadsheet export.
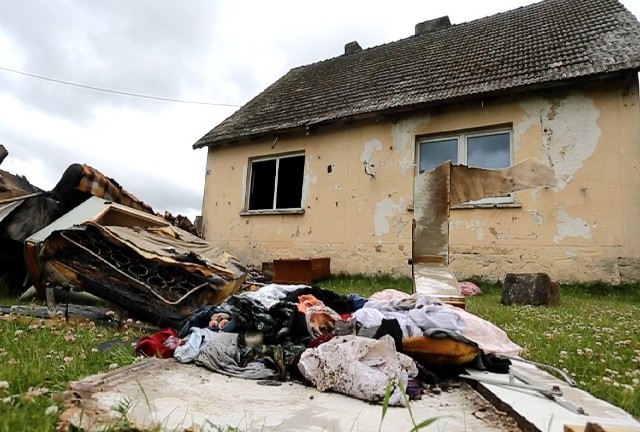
141	263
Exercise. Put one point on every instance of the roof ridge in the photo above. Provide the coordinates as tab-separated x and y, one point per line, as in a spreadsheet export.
545	42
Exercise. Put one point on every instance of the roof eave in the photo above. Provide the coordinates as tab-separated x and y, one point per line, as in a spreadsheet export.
312	126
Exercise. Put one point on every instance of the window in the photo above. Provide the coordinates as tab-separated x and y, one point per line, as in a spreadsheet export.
482	149
276	183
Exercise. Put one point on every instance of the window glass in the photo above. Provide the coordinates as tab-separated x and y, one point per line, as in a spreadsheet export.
276	183
434	153
489	151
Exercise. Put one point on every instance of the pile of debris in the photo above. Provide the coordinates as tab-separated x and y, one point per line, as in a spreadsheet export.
89	234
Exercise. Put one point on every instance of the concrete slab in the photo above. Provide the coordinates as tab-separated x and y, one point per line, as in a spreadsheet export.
535	412
177	397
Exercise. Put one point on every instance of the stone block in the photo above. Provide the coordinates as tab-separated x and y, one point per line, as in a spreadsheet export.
529	289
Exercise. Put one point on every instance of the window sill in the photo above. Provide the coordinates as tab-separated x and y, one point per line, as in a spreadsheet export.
296	211
514	204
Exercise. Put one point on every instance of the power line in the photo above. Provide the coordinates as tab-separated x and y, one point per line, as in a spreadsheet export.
115	91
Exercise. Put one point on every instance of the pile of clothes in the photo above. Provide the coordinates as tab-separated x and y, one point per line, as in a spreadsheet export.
349	344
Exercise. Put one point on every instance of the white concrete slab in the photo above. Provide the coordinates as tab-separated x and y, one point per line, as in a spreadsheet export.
546	415
178	396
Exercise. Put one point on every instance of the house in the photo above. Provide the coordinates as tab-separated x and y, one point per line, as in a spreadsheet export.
322	162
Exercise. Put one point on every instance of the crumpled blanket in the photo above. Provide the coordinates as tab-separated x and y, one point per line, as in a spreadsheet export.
222	354
419	313
360	367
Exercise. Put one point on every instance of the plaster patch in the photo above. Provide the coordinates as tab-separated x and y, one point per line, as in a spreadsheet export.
571	252
403	134
571	227
369	147
570	133
386	209
309	178
536	217
474	225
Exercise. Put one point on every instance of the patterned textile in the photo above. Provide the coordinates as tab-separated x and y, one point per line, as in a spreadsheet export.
281	356
275	322
96	184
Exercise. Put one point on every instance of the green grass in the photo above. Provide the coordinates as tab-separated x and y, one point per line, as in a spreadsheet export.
364	285
39	358
594	334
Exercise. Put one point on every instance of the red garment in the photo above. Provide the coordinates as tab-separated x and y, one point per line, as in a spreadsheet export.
161	344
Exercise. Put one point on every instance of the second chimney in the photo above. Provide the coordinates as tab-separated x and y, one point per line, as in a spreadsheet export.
352	48
433	25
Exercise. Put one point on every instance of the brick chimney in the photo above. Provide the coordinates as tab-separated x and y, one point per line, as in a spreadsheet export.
352	48
433	25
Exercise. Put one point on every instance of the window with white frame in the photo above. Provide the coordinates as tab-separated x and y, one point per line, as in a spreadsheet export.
275	183
483	149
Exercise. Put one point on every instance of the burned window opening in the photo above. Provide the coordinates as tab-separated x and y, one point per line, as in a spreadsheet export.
276	183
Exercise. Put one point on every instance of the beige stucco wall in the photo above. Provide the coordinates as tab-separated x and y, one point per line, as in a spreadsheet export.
583	229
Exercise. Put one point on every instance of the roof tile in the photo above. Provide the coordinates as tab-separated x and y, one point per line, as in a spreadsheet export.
537	44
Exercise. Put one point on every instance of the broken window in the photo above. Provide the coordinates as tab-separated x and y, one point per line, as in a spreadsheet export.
276	183
482	149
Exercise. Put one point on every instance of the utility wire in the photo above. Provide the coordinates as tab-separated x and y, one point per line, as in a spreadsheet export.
115	91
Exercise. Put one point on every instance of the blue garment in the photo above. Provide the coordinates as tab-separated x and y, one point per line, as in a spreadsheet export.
356	300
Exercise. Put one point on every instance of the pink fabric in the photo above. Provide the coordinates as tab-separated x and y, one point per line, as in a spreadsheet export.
469	289
490	338
389	294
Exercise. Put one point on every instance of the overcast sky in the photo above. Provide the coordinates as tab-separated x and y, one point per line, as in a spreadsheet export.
210	51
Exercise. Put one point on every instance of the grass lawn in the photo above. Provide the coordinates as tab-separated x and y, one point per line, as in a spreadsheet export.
594	334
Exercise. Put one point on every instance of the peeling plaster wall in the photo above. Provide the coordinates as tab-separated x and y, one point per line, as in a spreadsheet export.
358	179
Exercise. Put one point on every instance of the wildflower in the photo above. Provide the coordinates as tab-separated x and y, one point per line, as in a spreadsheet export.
4	384
19	332
113	366
94	350
69	338
67	360
7	400
51	410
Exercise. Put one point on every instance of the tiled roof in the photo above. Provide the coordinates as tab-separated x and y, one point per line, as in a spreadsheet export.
537	44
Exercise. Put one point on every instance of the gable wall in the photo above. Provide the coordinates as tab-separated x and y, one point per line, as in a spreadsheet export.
582	229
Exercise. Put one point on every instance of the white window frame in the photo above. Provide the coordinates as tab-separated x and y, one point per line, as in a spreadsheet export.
462	157
249	184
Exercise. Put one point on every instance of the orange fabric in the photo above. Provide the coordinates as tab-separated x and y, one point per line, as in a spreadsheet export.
306	301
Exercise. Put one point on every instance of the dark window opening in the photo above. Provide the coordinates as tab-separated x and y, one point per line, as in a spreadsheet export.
276	183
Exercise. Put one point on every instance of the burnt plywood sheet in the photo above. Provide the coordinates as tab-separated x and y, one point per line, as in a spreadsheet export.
178	396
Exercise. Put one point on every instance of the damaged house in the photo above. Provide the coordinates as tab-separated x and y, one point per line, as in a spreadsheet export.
322	162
